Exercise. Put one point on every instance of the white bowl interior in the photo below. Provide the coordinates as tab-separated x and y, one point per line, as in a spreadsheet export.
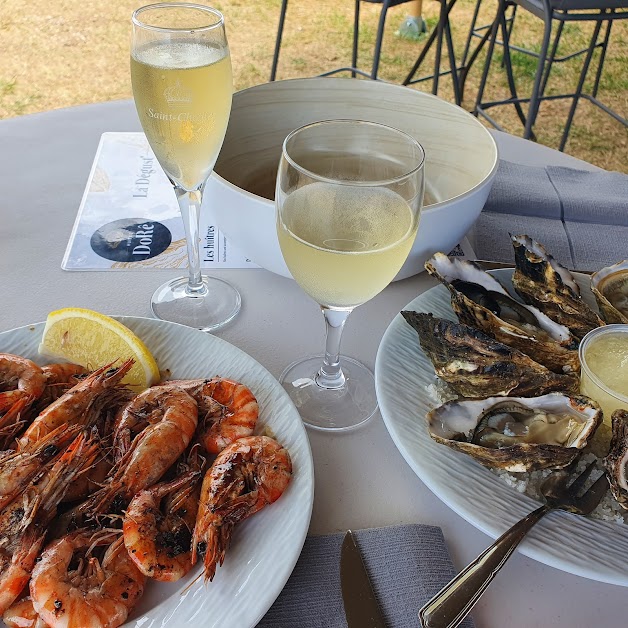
460	153
461	159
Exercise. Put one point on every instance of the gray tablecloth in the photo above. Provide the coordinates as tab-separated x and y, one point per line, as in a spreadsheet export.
580	217
407	566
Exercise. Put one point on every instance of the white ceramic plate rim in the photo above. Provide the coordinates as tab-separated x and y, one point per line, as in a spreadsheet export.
293	509
403	412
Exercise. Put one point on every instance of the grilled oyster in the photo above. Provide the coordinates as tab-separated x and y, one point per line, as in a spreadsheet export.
476	365
481	301
541	281
610	287
517	433
616	462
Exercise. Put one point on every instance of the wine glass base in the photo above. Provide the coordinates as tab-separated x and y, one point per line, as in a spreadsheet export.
328	409
214	307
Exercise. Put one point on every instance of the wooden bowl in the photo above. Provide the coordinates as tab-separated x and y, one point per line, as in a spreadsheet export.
461	159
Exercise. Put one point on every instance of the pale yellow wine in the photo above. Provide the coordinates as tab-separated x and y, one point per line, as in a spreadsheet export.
344	244
182	92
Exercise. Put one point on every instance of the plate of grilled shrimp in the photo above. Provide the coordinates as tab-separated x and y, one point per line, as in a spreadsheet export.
478	384
185	504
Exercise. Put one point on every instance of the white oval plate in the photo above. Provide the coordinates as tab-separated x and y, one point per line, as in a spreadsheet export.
586	547
266	547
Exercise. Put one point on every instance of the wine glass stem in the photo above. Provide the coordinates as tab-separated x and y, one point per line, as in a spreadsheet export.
330	374
190	205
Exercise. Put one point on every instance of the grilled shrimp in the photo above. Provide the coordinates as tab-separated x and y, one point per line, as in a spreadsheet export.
167	419
93	477
20	467
20	377
60	377
73	406
21	614
246	476
73	587
158	540
22	383
227	410
24	522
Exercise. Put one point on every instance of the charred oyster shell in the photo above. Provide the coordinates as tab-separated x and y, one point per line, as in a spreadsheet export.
517	433
476	365
479	300
610	287
541	281
616	462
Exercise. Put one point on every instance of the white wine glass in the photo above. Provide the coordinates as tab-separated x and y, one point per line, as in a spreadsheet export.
182	86
349	197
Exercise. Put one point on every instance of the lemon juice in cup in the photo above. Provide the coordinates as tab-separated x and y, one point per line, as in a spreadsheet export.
604	368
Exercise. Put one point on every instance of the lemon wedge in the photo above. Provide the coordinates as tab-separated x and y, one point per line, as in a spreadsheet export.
91	339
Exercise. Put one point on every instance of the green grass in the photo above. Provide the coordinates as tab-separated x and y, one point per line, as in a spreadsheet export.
72	53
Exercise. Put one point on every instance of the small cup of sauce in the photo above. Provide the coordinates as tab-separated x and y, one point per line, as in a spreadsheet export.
604	368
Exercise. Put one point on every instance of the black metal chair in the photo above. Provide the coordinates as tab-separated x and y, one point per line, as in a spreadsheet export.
386	4
550	11
440	33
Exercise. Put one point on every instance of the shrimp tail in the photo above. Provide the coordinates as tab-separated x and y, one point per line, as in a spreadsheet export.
33	460
79	457
15	577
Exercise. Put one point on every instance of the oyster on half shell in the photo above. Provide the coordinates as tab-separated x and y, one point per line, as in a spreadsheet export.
610	287
481	301
476	365
517	433
541	281
616	462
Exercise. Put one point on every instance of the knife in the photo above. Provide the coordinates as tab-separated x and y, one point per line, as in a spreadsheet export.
361	608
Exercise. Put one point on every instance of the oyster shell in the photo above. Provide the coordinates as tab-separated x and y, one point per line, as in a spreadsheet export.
517	433
610	287
616	462
476	365
541	281
481	301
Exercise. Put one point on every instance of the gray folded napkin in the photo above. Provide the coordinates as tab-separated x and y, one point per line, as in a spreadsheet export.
580	216
407	566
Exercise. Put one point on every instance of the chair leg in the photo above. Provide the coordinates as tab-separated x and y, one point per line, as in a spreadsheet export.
380	37
282	18
440	28
452	56
467	45
511	24
507	63
600	65
489	57
421	57
552	56
356	34
466	67
583	74
533	108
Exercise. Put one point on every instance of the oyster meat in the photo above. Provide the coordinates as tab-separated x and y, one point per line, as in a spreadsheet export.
479	300
517	433
616	462
541	281
610	287
476	365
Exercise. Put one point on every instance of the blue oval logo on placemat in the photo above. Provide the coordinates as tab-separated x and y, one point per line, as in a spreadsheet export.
131	240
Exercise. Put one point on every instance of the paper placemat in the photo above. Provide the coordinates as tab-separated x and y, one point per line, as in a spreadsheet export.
129	217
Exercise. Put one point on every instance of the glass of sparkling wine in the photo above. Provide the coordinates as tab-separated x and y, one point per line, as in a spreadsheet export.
349	196
182	86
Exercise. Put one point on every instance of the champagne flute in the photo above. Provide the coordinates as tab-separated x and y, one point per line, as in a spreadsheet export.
349	196
182	86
